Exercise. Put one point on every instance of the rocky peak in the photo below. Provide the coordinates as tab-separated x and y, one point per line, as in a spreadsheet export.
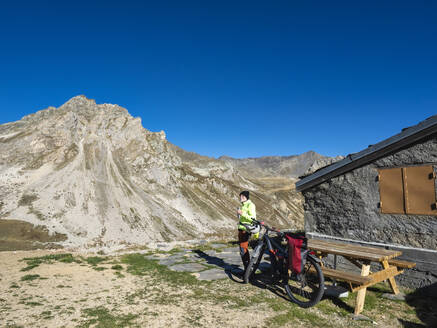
93	173
321	163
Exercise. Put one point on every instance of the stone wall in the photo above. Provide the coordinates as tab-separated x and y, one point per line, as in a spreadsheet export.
347	207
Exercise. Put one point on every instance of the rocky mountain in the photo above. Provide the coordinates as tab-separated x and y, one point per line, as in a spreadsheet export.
321	163
91	175
287	166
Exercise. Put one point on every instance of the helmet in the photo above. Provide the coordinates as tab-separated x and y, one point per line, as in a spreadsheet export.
253	228
245	193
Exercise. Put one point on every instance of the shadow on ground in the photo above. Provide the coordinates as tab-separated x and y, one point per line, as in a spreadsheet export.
424	301
230	269
235	272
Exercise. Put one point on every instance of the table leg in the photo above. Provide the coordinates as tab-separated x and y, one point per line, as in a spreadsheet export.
392	281
361	294
334	281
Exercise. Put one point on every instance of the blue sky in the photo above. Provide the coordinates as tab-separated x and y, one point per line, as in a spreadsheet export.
237	78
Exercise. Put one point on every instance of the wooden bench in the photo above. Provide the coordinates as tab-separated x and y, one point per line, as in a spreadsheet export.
344	276
361	257
402	264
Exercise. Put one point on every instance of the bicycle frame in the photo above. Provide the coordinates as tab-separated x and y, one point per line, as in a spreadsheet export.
278	253
304	288
274	248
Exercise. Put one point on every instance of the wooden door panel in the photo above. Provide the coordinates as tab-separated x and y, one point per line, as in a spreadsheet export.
391	191
419	190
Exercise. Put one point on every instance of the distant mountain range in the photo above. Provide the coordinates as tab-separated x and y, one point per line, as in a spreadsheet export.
287	166
93	175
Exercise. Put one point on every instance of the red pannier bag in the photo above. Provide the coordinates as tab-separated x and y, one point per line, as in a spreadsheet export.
297	252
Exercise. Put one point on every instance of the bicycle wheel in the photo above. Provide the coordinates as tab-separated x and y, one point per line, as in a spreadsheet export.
255	259
306	289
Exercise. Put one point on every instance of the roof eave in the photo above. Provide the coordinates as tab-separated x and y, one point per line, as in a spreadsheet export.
405	138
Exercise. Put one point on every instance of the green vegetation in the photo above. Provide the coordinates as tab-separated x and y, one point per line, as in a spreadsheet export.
33	262
139	265
119	274
99	268
101	317
117	267
33	304
30	277
94	260
29	267
371	301
298	314
46	315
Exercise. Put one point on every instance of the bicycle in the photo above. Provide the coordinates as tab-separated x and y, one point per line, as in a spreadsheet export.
305	288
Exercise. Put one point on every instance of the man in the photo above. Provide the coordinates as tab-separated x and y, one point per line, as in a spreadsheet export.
246	213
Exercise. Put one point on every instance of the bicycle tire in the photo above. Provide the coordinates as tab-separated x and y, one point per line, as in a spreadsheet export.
254	262
311	279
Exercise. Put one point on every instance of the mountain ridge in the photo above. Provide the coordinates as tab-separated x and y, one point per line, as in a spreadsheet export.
93	173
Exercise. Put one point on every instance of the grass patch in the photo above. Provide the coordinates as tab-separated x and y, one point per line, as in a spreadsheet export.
30	277
98	268
46	315
139	265
94	260
119	274
371	301
29	267
327	306
101	317
33	262
117	267
296	313
33	304
175	250
14	285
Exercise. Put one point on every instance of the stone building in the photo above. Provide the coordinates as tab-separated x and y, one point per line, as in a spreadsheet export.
384	195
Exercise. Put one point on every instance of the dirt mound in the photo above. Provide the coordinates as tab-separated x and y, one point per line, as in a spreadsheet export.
21	235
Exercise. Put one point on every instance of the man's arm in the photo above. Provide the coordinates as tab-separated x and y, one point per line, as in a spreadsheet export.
252	211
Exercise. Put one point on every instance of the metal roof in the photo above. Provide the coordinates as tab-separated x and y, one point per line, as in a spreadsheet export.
373	152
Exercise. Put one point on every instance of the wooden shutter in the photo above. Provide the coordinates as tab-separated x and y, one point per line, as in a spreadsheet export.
419	190
391	191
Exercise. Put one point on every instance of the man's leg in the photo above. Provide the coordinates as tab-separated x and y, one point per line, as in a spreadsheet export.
243	239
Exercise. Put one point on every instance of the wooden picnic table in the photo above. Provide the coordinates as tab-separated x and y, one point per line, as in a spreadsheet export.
362	257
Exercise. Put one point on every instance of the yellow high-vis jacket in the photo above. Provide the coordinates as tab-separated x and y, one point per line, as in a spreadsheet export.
249	212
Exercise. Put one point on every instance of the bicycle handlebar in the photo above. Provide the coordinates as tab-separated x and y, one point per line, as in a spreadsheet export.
268	228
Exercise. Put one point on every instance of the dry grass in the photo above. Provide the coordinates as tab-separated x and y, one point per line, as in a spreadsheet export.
64	289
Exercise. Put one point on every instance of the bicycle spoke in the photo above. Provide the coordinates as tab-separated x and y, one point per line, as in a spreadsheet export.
306	288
